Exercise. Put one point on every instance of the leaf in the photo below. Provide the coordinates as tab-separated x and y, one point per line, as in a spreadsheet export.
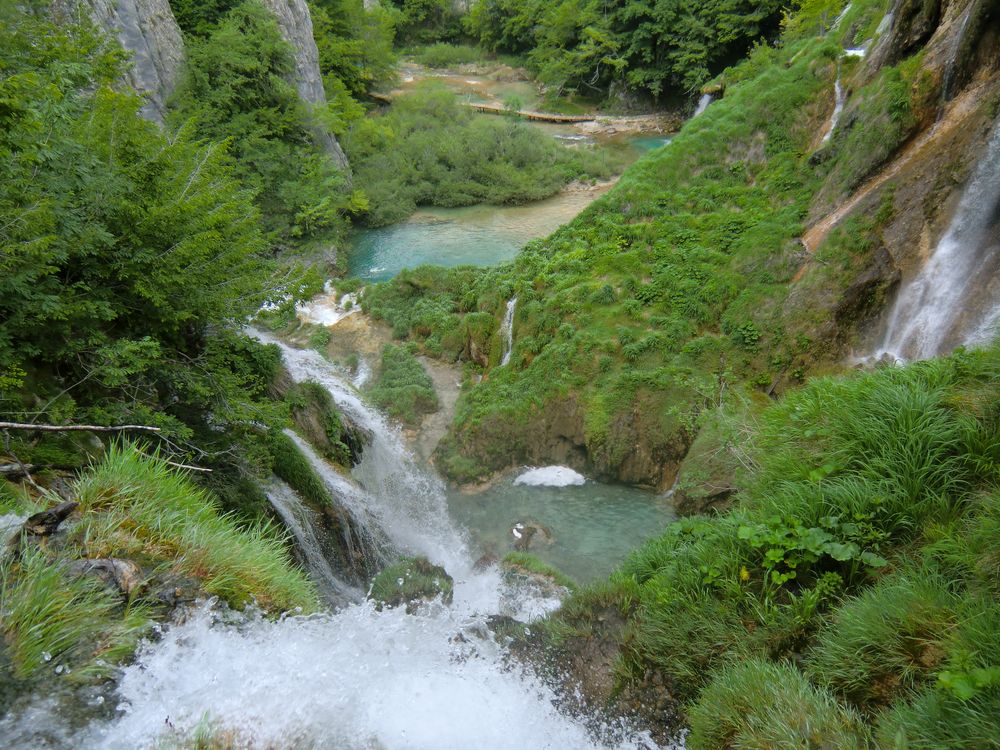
873	560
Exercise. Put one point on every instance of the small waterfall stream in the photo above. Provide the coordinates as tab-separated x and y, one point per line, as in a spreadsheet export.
953	299
298	519
355	677
703	103
507	331
948	82
838	108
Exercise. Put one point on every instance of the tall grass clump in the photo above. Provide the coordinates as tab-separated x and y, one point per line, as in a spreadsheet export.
403	390
762	704
53	619
889	640
135	506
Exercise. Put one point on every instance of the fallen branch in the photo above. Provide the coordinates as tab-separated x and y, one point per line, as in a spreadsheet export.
76	427
186	466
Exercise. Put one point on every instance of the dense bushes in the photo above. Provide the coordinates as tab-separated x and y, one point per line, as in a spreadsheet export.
429	150
588	46
403	389
852	586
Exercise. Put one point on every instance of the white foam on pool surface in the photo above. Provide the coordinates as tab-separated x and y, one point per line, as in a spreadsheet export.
551	476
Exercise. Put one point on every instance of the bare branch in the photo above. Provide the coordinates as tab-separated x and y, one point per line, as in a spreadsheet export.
76	427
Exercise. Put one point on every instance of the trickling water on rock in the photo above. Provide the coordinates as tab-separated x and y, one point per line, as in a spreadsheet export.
300	521
703	103
507	331
838	107
953	300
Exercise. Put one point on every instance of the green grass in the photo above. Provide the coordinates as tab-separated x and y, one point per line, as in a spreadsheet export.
54	619
856	573
527	562
761	704
403	390
135	506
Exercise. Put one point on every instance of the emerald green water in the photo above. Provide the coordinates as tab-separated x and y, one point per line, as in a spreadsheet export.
593	526
474	235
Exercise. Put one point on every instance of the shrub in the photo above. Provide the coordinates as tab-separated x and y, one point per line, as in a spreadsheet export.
403	390
761	704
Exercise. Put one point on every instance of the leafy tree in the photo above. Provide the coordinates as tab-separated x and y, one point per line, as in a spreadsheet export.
355	46
236	88
126	254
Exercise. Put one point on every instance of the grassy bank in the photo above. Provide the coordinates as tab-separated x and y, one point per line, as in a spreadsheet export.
677	286
849	599
135	508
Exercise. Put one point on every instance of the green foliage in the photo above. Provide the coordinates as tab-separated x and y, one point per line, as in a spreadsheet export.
422	21
657	48
56	620
444	55
136	507
235	87
403	390
429	150
527	562
762	704
355	46
128	256
409	581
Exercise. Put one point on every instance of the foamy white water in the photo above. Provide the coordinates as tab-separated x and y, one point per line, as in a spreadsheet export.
327	309
955	297
299	521
507	331
353	678
838	108
703	103
551	476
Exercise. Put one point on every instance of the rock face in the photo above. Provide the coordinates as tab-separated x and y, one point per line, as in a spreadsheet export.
296	27
148	30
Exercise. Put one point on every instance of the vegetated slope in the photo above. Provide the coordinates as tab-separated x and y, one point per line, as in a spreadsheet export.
850	599
686	281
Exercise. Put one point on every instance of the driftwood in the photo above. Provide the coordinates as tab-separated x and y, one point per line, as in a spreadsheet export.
76	427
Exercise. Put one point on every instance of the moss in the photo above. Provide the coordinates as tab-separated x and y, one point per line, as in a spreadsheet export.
525	562
409	581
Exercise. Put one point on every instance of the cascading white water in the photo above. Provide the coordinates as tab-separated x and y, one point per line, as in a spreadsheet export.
838	108
355	677
298	520
507	331
953	299
840	17
703	103
948	83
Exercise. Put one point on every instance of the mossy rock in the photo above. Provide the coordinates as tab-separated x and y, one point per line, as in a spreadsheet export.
410	581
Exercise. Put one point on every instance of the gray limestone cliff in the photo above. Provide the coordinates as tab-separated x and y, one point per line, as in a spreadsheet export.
148	30
296	27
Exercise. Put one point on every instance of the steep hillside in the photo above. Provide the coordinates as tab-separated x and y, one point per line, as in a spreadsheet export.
708	268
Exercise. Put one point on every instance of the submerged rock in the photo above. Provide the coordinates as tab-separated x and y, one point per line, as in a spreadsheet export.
410	581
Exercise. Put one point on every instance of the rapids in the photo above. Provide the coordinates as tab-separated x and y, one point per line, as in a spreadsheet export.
349	677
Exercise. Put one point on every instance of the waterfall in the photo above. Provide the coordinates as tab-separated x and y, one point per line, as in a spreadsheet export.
355	677
949	75
838	107
703	103
507	331
840	17
952	299
299	520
